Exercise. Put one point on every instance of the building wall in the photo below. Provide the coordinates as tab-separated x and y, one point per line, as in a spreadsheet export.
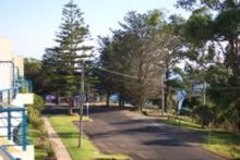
6	82
6	77
6	51
19	62
6	69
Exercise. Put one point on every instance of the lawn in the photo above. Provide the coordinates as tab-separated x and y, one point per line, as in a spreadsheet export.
68	132
34	136
224	143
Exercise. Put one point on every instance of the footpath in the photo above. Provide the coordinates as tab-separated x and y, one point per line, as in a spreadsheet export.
59	148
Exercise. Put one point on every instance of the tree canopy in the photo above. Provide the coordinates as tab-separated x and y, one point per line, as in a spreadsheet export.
64	61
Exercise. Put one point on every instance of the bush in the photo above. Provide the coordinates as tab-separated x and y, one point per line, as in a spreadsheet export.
34	113
50	151
38	102
204	114
38	124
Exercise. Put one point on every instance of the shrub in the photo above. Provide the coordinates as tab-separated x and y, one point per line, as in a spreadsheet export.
50	151
34	118
204	114
34	113
38	124
38	102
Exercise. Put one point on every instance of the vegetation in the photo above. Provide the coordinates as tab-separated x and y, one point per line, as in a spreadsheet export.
33	71
37	132
134	61
214	43
62	61
34	112
149	46
68	132
137	60
223	143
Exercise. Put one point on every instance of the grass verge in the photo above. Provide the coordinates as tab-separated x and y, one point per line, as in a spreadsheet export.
223	143
34	136
68	133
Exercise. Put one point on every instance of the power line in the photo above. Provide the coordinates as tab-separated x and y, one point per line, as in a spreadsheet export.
155	79
127	75
118	73
107	76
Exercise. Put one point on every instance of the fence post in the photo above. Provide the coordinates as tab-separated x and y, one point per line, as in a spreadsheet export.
9	126
1	96
8	95
24	131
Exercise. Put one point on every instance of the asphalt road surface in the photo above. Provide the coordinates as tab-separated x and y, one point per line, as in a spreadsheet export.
120	131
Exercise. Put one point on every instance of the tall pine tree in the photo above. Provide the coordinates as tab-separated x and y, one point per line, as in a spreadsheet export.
64	59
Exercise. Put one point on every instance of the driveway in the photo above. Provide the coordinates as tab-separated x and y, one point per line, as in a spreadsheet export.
121	131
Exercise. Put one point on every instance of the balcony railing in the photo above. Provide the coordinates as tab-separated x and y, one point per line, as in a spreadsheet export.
13	119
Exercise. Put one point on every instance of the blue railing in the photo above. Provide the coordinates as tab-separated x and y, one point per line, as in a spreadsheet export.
7	95
19	139
8	113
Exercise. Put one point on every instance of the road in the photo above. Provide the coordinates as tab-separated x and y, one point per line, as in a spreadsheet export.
121	131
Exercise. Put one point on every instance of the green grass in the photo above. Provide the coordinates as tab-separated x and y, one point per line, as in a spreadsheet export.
34	135
68	132
223	143
184	123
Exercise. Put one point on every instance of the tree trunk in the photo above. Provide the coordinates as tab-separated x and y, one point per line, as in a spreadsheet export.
57	98
166	90
141	107
108	98
121	100
70	103
166	98
141	104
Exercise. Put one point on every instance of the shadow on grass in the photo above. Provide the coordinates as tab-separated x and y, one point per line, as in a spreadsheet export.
224	138
35	134
183	123
40	157
65	135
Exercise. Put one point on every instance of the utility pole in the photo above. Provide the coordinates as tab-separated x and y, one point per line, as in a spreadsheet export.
204	93
163	95
82	97
163	73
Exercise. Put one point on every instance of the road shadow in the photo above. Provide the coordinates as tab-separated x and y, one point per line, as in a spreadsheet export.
161	134
58	110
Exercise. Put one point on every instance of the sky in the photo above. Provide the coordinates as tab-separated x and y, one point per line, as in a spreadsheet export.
31	25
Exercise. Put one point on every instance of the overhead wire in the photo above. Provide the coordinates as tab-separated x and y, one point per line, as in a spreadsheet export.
127	75
118	73
107	76
155	79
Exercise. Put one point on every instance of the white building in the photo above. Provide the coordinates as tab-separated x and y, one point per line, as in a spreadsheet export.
12	111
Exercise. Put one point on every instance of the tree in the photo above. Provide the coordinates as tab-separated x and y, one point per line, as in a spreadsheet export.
64	59
214	45
170	52
33	71
140	53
